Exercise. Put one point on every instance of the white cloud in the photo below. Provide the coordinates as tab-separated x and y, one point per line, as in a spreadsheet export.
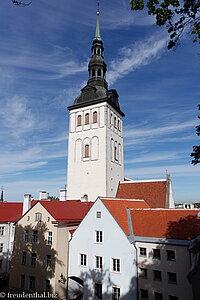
135	56
159	156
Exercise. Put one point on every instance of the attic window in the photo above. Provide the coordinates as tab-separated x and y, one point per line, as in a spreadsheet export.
98	214
38	216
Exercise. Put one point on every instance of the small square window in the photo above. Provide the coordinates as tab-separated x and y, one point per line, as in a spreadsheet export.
144	294
143	273
157	275
98	291
143	251
173	298
99	236
156	253
171	277
83	260
171	255
116	264
158	296
98	214
115	293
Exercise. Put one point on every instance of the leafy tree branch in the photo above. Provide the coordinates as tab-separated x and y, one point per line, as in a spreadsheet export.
196	149
175	15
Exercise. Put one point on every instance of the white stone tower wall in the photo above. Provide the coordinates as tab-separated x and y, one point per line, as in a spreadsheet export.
97	175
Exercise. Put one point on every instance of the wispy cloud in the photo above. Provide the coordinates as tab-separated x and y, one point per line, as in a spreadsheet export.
135	56
156	157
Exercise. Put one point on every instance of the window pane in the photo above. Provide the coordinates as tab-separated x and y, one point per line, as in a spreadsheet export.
95	117
86	119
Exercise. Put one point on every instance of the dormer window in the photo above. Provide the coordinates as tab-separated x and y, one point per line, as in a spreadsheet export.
94	117
86	119
86	151
79	121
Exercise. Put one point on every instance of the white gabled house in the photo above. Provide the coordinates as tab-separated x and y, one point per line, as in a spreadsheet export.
102	254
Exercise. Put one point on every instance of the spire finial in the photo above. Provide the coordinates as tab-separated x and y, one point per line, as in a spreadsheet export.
97	34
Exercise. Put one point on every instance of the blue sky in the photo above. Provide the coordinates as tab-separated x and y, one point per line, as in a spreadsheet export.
44	52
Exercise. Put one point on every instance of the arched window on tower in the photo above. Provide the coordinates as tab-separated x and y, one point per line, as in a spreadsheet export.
95	117
79	120
110	119
99	52
86	119
115	122
99	72
119	125
86	151
115	153
93	72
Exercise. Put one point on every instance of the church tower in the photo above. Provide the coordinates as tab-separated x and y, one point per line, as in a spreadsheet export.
95	146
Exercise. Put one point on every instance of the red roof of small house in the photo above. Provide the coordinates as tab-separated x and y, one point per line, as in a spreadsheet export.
65	211
153	192
117	207
166	223
10	211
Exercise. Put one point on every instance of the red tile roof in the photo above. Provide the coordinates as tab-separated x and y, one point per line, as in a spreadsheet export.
10	211
65	211
153	192
118	209
166	223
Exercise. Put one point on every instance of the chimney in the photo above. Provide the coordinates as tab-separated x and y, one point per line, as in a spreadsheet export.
27	202
63	194
84	198
43	195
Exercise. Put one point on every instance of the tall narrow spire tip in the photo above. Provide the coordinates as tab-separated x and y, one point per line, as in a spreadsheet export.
97	34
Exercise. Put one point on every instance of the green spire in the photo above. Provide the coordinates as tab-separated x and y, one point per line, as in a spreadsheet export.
97	34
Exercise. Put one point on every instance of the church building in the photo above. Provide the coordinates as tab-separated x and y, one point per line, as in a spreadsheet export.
95	148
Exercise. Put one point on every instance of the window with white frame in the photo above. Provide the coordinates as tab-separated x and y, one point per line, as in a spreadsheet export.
98	214
97	290
143	251
171	277
48	261
34	236
1	247
115	293
116	264
99	262
83	260
99	236
38	216
26	235
49	238
171	255
2	229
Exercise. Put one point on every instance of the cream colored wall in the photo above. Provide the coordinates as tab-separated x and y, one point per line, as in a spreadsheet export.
40	248
180	266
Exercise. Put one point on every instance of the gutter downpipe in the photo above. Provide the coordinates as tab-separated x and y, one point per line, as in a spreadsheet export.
67	297
132	241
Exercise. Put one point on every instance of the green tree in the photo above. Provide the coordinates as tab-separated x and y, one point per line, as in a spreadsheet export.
53	198
175	15
196	149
